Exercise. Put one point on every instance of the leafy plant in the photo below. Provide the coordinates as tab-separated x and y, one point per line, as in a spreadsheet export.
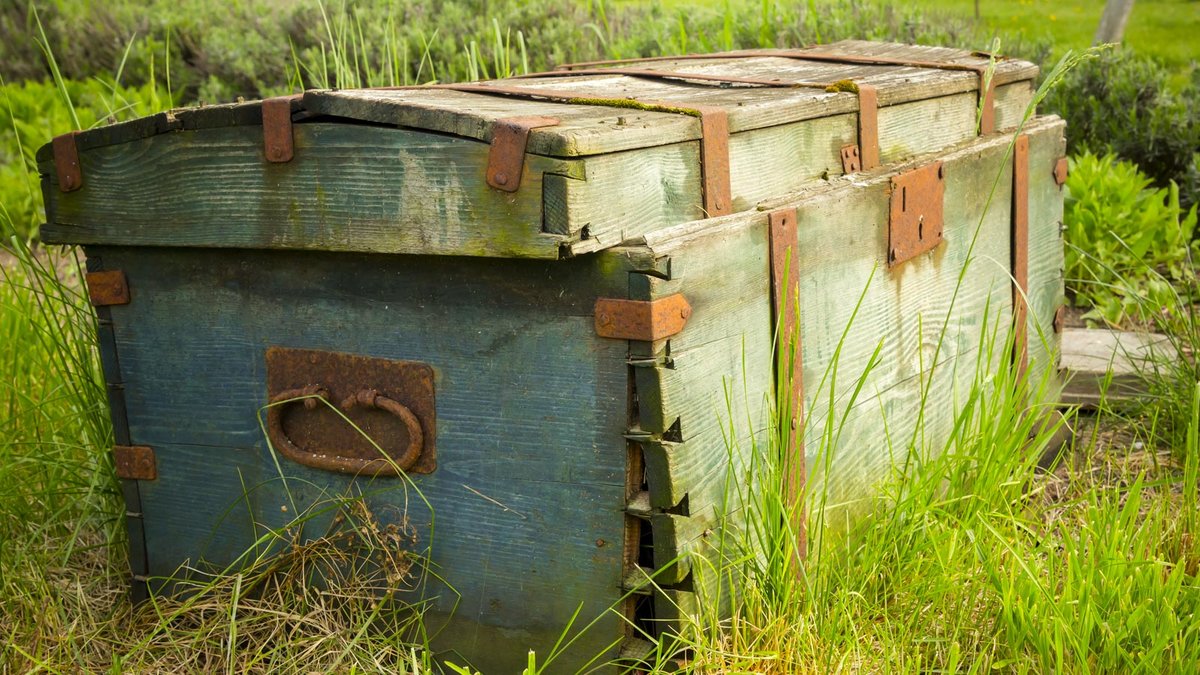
1118	229
1132	106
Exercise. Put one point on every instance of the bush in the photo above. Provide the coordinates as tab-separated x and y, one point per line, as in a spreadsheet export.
33	112
1129	246
1125	104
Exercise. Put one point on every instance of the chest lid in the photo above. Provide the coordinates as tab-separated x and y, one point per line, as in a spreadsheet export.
545	165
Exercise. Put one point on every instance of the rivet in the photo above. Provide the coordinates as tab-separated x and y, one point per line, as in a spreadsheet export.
501	178
605	319
685	312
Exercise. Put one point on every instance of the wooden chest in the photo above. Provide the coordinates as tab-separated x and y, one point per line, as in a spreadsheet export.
551	302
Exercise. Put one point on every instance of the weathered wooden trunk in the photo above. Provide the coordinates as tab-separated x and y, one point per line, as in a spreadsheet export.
552	302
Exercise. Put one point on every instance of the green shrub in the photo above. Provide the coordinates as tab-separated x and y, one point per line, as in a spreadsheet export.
1128	245
31	113
1125	104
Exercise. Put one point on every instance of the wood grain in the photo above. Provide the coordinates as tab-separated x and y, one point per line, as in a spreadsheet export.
529	493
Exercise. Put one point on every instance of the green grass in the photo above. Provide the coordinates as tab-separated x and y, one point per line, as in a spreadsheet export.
1162	28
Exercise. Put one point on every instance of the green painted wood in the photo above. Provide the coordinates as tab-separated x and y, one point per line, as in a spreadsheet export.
921	319
1011	103
351	187
529	493
1046	250
590	130
359	187
625	194
777	160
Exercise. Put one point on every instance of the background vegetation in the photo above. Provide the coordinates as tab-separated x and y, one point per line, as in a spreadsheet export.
974	559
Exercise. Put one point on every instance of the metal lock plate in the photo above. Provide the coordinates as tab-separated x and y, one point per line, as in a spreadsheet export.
915	214
390	401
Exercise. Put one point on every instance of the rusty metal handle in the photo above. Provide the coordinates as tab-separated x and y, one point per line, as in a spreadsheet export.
368	398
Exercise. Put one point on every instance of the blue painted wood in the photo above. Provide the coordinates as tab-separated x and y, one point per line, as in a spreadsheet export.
530	487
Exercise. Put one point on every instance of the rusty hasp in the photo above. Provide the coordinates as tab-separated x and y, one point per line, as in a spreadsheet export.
66	162
915	213
107	287
135	462
506	156
390	401
646	320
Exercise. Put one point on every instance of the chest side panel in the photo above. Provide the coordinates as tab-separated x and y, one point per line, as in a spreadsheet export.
526	507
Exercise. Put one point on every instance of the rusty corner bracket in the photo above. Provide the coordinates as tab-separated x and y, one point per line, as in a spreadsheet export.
66	162
1062	170
646	320
851	162
506	156
915	215
135	462
278	146
107	287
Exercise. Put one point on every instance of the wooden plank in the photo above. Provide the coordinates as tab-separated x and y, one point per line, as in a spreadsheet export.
529	493
624	194
1011	103
350	188
905	130
1045	292
903	314
1100	364
597	131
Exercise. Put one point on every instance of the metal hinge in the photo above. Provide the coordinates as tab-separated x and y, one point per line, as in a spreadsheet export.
135	462
108	287
915	215
506	157
66	162
646	320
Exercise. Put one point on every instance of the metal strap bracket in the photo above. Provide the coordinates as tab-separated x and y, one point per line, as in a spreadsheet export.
107	287
1020	250
646	320
868	126
135	462
789	376
506	157
66	162
277	128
